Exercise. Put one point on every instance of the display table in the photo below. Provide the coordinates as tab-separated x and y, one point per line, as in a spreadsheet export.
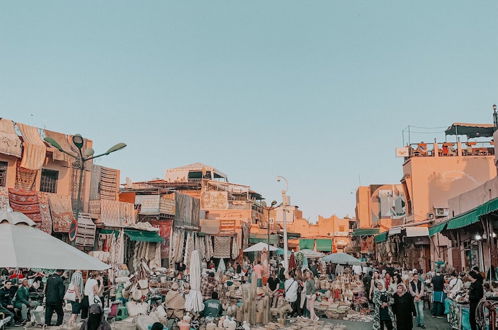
458	315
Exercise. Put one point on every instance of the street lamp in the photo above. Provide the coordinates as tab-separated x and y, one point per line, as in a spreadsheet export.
285	203
269	209
82	157
495	117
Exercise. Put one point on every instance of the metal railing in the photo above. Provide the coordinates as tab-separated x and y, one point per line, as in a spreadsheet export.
451	149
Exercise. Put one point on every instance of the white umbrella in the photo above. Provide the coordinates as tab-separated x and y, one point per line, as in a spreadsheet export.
311	254
193	301
260	247
341	258
24	246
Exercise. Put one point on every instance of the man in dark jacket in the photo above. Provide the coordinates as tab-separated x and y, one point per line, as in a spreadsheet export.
476	293
54	297
438	295
6	306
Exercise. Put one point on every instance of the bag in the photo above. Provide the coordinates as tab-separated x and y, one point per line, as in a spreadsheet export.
96	300
70	293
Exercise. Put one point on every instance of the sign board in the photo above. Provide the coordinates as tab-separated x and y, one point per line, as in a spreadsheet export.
402	152
72	229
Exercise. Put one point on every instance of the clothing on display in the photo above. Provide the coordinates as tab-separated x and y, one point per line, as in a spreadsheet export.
61	211
34	149
25	202
10	144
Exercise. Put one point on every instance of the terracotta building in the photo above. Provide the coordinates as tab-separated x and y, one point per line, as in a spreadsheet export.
434	173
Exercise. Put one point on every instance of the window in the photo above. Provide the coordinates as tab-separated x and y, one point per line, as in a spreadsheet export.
49	181
341	228
3	173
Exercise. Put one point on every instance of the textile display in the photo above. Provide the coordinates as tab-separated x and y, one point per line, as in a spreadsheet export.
94	208
187	211
34	149
4	199
25	202
61	211
109	183
177	246
76	181
189	247
10	144
209	247
127	213
85	233
95	182
193	301
367	244
149	204
165	232
46	217
167	204
222	247
235	248
63	141
109	213
25	178
214	200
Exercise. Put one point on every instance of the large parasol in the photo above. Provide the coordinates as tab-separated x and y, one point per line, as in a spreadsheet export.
25	246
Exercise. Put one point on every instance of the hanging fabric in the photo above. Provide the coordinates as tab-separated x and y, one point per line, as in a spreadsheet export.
25	178
25	202
46	217
4	199
61	211
63	141
222	247
34	149
10	144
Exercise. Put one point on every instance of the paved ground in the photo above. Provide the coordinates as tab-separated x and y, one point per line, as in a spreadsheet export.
430	323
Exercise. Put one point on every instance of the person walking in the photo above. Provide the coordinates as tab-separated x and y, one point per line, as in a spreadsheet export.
383	316
291	289
438	295
54	297
310	289
417	292
403	308
373	285
77	283
476	292
90	294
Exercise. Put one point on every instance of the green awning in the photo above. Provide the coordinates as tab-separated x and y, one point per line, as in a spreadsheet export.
144	236
305	243
382	237
257	239
324	245
473	215
109	231
365	232
437	228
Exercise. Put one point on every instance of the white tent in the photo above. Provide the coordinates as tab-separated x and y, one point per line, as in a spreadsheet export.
193	301
24	246
260	247
311	254
341	258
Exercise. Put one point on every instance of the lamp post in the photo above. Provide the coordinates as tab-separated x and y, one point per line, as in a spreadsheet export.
81	157
495	117
285	203
269	209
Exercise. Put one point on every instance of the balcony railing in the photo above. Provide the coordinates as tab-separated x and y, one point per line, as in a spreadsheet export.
451	149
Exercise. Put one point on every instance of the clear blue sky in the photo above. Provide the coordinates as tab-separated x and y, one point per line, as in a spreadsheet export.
316	91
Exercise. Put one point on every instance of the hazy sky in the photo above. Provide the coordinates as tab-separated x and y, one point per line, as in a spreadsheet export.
316	91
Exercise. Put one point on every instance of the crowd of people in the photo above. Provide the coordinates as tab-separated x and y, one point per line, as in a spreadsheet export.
397	297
